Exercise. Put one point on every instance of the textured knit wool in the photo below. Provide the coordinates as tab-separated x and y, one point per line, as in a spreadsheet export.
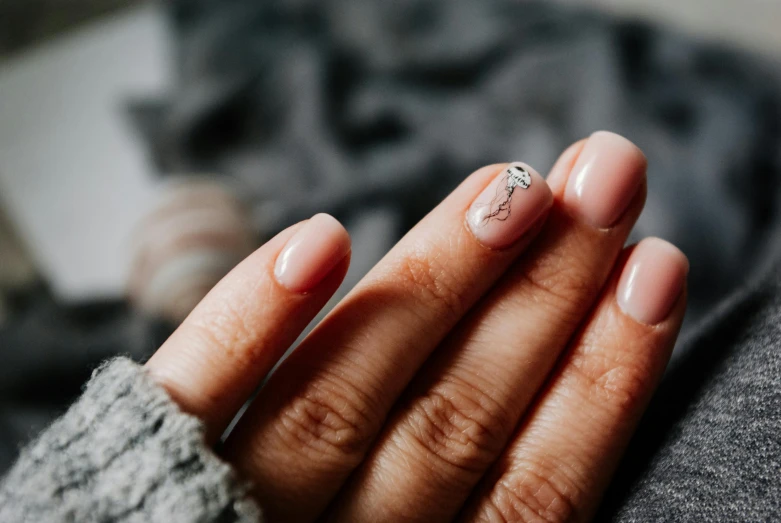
123	452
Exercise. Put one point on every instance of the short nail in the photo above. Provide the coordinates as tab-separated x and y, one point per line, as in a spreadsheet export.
605	178
509	206
652	280
312	252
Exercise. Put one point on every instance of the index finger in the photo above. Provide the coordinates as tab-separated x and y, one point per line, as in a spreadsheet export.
232	339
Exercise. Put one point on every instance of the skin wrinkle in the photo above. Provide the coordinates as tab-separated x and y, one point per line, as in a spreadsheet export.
551	275
425	279
321	426
521	501
457	428
552	478
337	396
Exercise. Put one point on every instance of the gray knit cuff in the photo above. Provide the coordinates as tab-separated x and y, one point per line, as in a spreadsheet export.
123	452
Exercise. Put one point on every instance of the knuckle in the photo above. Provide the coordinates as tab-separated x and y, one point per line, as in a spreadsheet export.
614	382
461	430
425	275
226	330
328	419
559	286
540	493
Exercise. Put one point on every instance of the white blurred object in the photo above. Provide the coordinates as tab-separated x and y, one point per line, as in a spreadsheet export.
74	178
194	235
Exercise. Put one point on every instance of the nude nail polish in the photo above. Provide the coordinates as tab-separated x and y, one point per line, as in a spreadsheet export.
652	280
509	206
312	252
608	173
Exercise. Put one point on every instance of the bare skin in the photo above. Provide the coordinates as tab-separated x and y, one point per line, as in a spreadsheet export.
482	371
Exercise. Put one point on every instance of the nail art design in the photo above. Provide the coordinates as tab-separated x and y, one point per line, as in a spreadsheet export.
514	176
489	215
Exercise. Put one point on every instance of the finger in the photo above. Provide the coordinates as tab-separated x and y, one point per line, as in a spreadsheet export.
220	353
465	403
566	450
314	421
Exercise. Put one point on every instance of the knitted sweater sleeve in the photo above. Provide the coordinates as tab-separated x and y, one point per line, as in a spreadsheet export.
123	452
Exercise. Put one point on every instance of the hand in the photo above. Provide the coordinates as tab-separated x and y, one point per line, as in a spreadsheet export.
491	367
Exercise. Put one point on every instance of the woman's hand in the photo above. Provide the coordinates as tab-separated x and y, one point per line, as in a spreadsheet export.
491	367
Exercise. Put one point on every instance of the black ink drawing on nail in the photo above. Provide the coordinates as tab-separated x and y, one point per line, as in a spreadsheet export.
514	176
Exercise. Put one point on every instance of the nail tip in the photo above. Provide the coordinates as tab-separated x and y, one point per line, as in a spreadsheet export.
673	249
312	253
337	229
652	281
605	179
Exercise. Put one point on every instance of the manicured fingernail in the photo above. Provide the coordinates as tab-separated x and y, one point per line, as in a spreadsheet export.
607	175
652	280
509	206
312	252
559	173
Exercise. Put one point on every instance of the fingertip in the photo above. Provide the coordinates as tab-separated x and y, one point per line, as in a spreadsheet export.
620	141
334	228
601	186
509	207
312	253
652	281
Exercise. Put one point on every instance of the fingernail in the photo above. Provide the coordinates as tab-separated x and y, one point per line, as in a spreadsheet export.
312	253
605	178
509	206
559	173
652	280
